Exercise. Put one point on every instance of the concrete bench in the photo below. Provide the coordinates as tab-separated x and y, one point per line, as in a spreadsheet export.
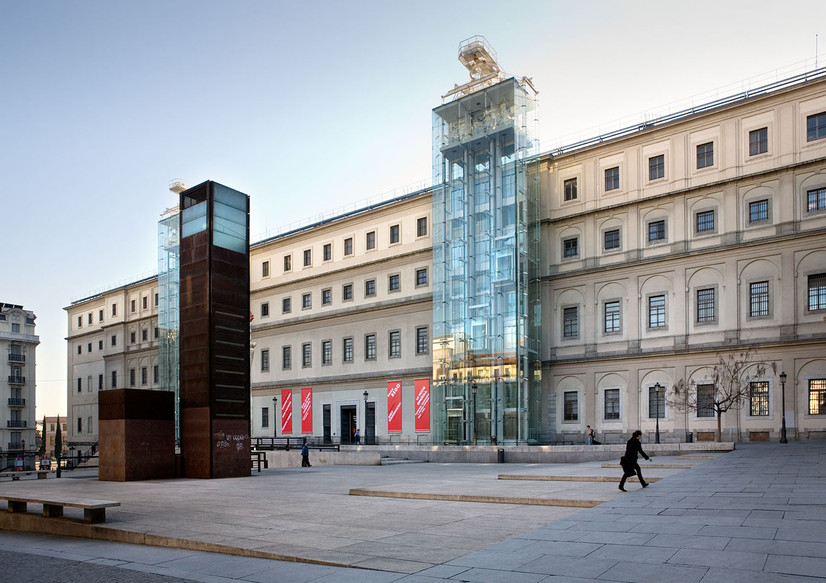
41	474
93	510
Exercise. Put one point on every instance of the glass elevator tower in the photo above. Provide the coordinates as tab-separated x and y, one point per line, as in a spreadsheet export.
486	305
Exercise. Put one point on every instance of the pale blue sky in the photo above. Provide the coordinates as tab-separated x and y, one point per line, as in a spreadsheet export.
306	107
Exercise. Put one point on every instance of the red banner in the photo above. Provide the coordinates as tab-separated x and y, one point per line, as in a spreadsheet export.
394	406
306	410
286	411
422	413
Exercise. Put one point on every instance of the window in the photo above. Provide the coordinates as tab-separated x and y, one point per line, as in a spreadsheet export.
286	357
114	309
612	403
570	322
265	417
421	227
326	352
132	338
422	340
612	178
394	234
395	344
612	317
570	406
308	257
370	347
156	300
144	376
370	242
100	315
100	381
348	246
421	277
656	403
759	398
759	299
89	424
370	288
570	190
816	200
816	127
656	167
114	340
306	301
817	292
705	306
90	319
288	263
347	350
144	302
347	291
817	396
656	311
155	374
114	379
79	424
265	269
132	306
100	344
611	239
705	155
306	355
758	211
394	282
79	384
656	231
705	221
144	335
758	141
327	252
156	332
326	297
265	360
80	321
570	247
15	328
79	349
132	377
286	305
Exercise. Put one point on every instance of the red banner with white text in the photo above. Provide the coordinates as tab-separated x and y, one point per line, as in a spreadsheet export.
286	411
394	406
306	410
421	388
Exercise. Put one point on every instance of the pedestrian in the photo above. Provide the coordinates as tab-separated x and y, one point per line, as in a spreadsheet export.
356	436
305	456
629	460
590	434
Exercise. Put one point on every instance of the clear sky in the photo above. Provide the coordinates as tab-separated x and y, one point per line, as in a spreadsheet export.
307	107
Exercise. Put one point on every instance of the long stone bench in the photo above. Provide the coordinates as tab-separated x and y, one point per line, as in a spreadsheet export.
41	474
93	510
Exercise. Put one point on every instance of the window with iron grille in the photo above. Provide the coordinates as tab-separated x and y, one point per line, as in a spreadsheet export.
265	416
612	317
347	291
347	349
611	239
758	141
306	301
816	200
705	221
656	403
656	231
370	287
422	340
817	396
759	398
265	360
656	311
286	357
705	306
759	211
326	297
571	406
394	282
395	340
759	299
570	322
817	292
327	352
421	277
612	403
705	400
306	355
370	347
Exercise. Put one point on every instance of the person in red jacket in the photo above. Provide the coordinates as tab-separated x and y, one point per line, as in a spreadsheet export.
629	460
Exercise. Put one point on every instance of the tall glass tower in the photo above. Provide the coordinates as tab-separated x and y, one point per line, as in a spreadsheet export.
486	305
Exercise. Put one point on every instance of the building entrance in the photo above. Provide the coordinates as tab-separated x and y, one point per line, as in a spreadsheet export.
348	423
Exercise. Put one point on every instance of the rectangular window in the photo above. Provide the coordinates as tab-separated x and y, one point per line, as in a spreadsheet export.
570	247
100	381
612	178
132	338
265	309
611	239
706	306
612	403
759	398
817	396
816	127
421	227
421	277
265	417
265	269
394	234
394	282
705	155
326	352
370	240
114	379
90	318
816	200
656	403
79	384
656	231
369	288
656	167
156	300
370	347
348	246
571	406
347	350
100	315
133	306
347	291
705	221
759	211
326	297
288	263
306	355
286	357
144	336
80	321
758	141
656	311
144	302
759	299
308	257
327	251
79	424
395	343
132	377
114	340
422	340
144	375
612	317
817	292
306	301
265	360
100	344
155	376
570	322
114	309
570	189
80	348
156	332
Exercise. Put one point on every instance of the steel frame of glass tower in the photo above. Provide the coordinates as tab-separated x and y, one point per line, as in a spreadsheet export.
486	249
169	311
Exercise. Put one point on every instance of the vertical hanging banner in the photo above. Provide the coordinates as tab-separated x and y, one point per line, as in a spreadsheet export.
286	411
306	410
394	406
421	389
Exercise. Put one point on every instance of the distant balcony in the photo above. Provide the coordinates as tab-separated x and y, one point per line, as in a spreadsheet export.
13	402
16	423
17	357
15	445
17	380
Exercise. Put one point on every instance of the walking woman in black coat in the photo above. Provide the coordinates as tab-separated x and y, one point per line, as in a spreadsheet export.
629	460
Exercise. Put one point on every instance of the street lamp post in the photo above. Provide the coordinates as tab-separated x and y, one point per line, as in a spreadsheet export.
657	388
275	417
364	427
783	408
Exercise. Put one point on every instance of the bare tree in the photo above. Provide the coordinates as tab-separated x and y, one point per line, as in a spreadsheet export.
731	379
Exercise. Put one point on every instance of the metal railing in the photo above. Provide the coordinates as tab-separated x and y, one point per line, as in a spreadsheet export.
17	380
287	443
16	423
14	357
16	402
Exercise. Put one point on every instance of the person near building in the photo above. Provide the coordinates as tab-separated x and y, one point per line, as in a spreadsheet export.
629	460
590	435
305	456
356	436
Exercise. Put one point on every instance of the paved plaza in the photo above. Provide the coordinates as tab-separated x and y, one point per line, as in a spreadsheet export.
756	514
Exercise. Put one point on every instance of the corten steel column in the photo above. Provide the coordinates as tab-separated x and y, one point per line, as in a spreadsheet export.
214	336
